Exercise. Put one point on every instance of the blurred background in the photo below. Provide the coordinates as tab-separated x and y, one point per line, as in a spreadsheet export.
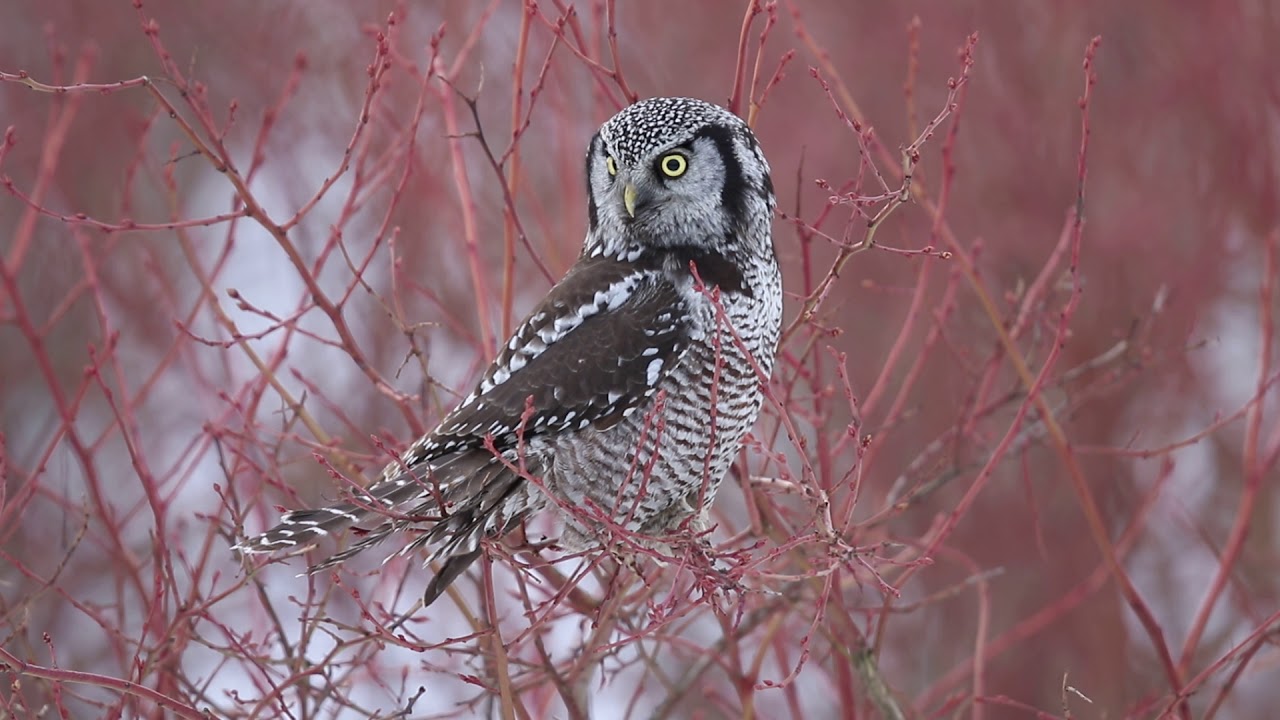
185	348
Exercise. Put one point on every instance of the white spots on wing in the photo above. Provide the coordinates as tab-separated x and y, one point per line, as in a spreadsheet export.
664	324
549	335
339	512
525	345
541	331
612	297
500	375
564	324
590	295
654	371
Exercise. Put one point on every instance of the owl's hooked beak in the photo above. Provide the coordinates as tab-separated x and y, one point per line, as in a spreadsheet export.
629	194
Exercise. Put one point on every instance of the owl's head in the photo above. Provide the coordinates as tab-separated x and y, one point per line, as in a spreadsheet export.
677	172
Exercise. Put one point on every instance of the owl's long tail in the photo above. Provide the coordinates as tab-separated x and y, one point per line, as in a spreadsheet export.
475	488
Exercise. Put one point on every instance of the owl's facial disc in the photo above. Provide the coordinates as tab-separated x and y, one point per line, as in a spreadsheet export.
676	172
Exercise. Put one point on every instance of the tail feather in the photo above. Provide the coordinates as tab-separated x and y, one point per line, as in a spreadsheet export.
301	529
457	538
475	487
449	571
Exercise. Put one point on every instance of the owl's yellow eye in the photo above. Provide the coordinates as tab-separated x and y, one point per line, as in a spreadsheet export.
673	165
610	165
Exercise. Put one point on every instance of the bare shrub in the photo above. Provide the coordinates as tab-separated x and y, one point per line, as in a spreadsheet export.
1019	457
